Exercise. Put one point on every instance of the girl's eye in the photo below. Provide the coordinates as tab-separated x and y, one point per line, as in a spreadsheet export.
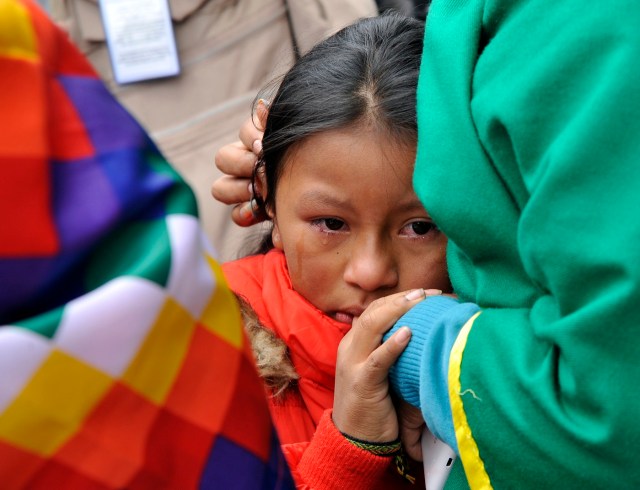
333	224
329	224
419	228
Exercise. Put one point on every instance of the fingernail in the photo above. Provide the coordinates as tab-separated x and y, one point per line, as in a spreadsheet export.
245	212
257	146
432	292
403	335
250	188
415	294
255	208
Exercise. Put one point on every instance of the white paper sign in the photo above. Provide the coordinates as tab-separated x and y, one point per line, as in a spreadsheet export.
140	39
438	459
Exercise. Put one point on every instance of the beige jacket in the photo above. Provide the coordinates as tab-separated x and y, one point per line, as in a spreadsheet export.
228	50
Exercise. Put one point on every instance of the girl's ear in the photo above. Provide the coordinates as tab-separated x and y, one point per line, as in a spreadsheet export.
260	120
260	183
260	114
275	235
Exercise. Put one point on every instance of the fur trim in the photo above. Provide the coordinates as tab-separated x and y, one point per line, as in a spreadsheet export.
270	352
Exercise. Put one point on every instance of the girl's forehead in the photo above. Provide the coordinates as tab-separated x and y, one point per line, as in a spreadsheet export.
350	166
346	149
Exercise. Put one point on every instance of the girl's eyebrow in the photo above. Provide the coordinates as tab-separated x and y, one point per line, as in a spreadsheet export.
320	198
316	197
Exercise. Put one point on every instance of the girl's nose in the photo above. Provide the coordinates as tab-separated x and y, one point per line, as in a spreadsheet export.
371	266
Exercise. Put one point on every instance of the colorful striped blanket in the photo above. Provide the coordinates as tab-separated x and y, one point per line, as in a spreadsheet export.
123	362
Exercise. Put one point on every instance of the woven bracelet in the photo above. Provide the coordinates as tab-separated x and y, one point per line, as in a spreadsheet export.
378	448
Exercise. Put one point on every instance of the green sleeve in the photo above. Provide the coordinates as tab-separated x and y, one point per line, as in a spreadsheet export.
541	109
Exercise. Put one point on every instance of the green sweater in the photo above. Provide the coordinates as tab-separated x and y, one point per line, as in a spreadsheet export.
529	160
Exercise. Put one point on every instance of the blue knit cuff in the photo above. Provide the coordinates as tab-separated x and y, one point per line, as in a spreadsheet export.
420	376
420	319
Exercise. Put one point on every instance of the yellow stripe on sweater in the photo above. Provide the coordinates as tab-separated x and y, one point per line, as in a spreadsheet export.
477	476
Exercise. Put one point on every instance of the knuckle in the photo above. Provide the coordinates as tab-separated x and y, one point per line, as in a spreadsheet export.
364	320
221	157
216	190
368	320
373	363
220	190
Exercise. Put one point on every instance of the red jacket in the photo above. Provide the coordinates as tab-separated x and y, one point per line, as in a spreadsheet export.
312	338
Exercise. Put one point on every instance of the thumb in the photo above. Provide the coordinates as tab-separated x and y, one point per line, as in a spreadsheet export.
383	357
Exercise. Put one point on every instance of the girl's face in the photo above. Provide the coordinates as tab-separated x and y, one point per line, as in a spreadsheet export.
350	225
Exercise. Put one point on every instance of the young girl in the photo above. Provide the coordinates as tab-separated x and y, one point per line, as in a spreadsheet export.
335	176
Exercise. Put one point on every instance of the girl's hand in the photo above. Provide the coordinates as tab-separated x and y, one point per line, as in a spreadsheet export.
237	161
362	407
411	427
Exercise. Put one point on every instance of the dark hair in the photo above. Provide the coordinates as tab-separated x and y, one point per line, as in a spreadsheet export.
365	73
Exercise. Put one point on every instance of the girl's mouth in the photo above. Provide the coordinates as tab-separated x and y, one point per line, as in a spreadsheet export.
347	315
343	317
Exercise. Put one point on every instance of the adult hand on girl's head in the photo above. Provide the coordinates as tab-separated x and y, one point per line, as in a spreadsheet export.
237	161
362	407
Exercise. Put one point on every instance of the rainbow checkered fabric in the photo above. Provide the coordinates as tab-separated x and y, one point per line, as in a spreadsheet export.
123	362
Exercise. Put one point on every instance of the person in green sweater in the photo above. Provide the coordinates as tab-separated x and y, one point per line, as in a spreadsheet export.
528	117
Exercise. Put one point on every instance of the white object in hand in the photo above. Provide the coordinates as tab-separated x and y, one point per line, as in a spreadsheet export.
437	458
